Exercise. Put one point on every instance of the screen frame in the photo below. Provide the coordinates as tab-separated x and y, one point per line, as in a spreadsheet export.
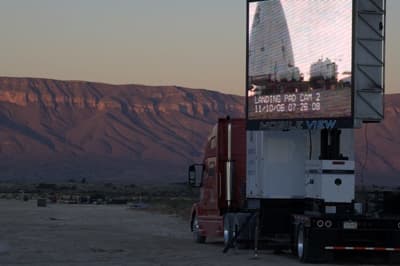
302	123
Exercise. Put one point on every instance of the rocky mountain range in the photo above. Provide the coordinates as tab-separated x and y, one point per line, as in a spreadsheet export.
378	147
56	131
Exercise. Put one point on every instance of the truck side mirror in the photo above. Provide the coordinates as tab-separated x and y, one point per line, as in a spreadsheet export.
195	174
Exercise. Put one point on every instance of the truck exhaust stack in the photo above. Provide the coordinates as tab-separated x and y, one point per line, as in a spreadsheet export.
229	167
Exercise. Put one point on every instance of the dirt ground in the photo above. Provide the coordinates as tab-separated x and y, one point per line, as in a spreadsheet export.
98	235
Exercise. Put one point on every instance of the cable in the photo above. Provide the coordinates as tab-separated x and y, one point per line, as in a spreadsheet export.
364	164
311	147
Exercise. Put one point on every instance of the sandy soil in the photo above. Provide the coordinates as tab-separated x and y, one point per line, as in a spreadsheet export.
110	235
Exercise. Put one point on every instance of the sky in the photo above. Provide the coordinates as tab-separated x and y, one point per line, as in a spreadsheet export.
197	44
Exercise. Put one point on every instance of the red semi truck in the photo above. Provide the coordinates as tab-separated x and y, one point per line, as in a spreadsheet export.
290	190
219	194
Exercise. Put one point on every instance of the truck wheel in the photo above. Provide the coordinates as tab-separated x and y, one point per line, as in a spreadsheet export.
293	246
196	232
228	229
242	240
303	246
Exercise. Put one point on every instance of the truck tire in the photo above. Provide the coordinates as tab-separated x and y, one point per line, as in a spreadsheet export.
293	246
243	240
196	232
307	250
303	245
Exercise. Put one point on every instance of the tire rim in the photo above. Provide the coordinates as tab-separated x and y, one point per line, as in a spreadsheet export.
226	236
227	232
300	243
195	227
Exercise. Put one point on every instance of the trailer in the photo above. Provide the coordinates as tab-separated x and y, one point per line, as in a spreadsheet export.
287	190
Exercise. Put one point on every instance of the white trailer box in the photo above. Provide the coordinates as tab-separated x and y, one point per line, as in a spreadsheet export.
268	155
276	163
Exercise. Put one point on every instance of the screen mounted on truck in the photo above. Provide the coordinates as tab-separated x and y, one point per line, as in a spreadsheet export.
299	63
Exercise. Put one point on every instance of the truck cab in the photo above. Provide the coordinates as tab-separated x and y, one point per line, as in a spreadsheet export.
221	178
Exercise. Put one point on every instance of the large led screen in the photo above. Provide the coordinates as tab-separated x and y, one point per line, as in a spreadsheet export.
299	60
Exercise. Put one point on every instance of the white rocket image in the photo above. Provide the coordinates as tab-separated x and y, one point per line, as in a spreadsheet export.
270	48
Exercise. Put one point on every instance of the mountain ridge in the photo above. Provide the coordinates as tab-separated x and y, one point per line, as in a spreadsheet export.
58	130
50	118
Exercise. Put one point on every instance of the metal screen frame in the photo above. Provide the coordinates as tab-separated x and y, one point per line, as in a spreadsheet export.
369	61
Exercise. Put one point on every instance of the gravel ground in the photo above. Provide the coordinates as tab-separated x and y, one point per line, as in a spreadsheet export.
114	235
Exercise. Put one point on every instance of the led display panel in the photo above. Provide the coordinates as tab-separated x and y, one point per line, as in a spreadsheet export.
299	61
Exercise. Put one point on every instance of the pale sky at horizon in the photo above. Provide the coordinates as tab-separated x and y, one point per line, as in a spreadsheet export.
196	44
